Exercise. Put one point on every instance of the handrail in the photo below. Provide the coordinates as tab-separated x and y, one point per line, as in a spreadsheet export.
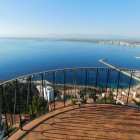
76	68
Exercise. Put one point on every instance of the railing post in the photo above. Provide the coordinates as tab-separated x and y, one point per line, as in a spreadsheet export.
86	73
129	86
118	83
42	78
75	80
54	77
15	103
107	79
27	104
96	82
31	95
2	102
18	95
64	82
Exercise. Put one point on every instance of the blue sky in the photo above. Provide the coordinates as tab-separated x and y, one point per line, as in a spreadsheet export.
40	18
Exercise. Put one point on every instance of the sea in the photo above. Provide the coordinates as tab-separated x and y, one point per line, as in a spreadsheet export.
19	57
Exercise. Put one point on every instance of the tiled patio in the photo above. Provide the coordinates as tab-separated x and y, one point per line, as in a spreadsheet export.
89	122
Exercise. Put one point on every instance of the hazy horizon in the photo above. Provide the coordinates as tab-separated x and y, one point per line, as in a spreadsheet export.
77	36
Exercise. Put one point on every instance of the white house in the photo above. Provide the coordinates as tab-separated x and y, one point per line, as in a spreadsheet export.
124	94
136	99
78	96
47	91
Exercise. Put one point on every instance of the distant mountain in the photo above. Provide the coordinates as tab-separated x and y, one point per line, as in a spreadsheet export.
80	36
92	36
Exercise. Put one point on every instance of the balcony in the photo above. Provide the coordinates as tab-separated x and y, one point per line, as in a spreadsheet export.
89	121
72	103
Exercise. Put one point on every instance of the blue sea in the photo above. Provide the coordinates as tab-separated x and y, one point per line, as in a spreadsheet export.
19	57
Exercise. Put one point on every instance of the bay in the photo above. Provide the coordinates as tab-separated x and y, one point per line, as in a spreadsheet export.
19	57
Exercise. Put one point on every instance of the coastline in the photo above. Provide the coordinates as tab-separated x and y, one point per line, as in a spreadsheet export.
109	42
119	42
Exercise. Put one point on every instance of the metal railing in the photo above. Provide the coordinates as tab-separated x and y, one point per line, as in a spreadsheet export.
30	96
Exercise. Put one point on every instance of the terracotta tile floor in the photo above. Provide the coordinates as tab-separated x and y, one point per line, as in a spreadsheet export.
90	122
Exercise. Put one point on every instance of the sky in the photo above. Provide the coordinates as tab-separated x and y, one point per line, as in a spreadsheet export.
40	18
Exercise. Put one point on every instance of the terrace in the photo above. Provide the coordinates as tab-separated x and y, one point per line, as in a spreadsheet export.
81	103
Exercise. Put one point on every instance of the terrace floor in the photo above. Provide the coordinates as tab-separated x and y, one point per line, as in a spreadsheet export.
88	122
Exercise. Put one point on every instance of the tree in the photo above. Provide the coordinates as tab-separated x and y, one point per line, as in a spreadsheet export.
11	96
93	95
109	99
36	108
137	103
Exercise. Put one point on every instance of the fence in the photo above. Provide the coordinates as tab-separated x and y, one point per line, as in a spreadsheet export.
30	96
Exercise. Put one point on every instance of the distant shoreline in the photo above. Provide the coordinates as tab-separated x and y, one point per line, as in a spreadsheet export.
110	42
97	41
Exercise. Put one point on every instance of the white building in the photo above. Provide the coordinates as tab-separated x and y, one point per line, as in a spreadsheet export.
78	96
47	91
